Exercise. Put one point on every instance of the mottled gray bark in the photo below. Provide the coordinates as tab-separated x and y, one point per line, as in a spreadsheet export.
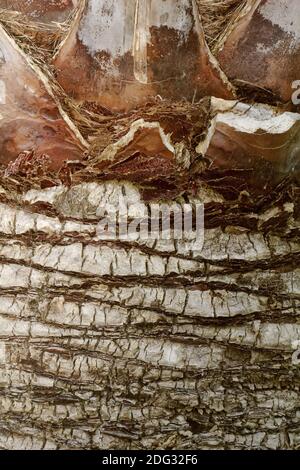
116	345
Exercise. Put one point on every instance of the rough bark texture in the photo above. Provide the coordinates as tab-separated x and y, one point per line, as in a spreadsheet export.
113	345
152	345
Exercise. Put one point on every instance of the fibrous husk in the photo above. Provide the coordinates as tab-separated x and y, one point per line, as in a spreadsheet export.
262	48
153	147
144	158
217	16
241	147
123	54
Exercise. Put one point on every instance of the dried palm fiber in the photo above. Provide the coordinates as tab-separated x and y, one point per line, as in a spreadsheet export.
187	124
44	11
217	16
40	42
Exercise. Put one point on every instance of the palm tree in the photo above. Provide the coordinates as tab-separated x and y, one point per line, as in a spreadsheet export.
149	343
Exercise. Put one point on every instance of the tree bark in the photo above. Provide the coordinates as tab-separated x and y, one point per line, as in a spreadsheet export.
148	344
109	345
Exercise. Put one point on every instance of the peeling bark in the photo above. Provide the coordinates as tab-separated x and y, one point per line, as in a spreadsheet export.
259	138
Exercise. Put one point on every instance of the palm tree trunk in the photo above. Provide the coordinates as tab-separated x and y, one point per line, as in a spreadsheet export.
118	344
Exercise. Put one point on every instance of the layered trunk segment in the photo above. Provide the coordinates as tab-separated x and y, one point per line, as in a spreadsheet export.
123	54
31	118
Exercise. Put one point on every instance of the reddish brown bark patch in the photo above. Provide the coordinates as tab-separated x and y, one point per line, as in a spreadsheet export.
117	59
263	49
41	10
30	116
